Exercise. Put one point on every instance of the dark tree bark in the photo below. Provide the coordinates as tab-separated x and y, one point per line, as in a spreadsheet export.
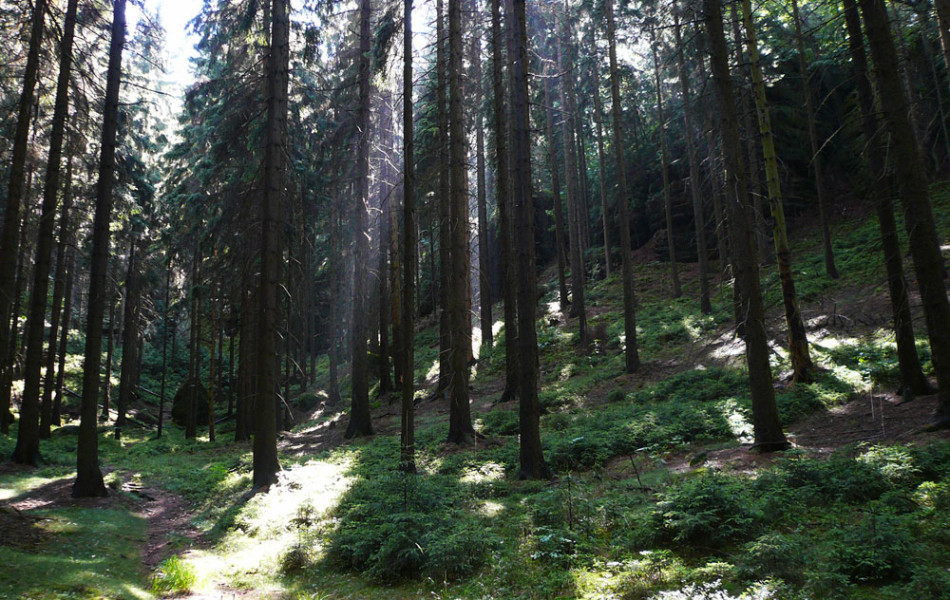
28	433
266	464
503	198
915	198
699	218
9	246
88	476
631	351
386	200
912	377
767	429
529	413
360	423
460	412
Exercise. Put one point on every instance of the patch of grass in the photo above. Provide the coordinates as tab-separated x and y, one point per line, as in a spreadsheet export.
89	553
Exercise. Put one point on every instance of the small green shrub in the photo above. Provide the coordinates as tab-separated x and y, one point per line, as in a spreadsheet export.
394	527
710	509
877	548
500	422
173	576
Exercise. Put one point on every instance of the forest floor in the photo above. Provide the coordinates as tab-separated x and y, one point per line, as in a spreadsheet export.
655	493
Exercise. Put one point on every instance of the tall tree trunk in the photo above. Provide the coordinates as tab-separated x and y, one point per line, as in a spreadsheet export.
915	198
445	202
631	352
766	427
503	198
601	157
664	166
11	222
88	476
753	143
912	377
797	337
830	269
266	465
460	414
563	301
407	434
575	211
360	423
28	433
484	254
529	413
699	218
386	199
194	350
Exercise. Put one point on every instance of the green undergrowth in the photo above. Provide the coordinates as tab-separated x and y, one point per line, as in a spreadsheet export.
74	552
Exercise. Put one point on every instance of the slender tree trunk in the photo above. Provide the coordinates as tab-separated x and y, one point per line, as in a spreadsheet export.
531	457
563	300
360	423
766	427
601	157
575	210
664	165
631	352
130	336
484	254
9	248
753	143
64	336
59	286
445	202
110	344
503	198
88	476
386	199
915	198
699	218
407	436
161	394
797	337
830	269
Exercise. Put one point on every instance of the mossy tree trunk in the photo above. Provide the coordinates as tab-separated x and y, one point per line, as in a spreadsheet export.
797	338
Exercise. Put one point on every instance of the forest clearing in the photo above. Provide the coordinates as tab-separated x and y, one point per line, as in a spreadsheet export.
637	300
